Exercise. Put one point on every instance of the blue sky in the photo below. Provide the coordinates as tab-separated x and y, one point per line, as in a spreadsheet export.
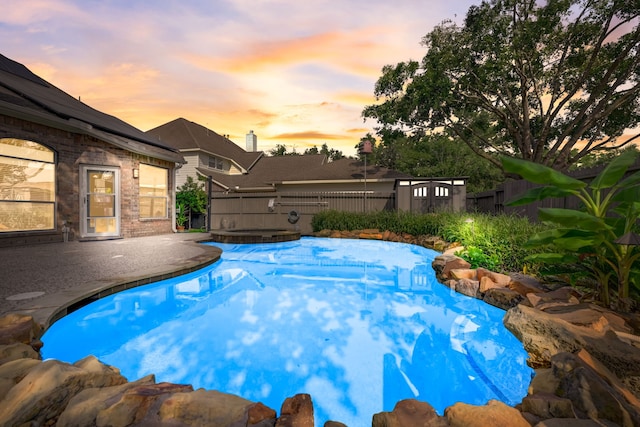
296	73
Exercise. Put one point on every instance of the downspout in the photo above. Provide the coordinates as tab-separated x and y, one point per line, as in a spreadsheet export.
173	197
209	188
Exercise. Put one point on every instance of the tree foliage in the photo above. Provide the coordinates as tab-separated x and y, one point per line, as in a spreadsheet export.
282	150
191	196
437	156
548	82
331	153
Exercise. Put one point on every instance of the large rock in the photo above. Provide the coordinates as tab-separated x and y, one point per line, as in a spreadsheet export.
296	411
463	273
494	414
559	297
85	407
20	328
595	395
524	284
486	283
203	408
502	280
140	405
503	298
16	351
544	381
410	413
544	335
43	393
591	316
468	287
443	264
11	373
547	405
575	422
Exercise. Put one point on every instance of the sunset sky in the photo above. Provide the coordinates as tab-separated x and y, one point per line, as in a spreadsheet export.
296	73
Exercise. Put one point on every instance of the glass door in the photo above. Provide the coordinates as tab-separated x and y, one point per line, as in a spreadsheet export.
100	201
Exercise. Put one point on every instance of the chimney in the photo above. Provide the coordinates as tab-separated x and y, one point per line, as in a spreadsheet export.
252	141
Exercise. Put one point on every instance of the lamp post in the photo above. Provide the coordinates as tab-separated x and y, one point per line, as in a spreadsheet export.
365	147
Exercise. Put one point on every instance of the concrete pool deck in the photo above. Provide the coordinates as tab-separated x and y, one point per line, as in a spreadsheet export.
47	280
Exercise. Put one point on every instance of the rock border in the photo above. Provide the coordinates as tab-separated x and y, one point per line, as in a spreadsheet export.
586	358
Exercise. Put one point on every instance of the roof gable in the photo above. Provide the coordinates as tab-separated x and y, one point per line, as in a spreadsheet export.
183	134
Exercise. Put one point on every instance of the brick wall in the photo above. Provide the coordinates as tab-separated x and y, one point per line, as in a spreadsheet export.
73	150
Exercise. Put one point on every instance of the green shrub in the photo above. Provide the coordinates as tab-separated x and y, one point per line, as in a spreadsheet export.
477	258
500	239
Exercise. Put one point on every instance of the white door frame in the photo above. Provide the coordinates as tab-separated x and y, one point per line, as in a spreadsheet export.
103	218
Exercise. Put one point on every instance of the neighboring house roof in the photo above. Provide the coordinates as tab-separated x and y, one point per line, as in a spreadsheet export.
186	135
26	96
261	172
270	171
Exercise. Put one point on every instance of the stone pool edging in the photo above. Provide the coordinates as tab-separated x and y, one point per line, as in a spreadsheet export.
566	340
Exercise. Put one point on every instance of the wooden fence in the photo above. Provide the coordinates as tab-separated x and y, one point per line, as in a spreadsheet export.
273	210
494	201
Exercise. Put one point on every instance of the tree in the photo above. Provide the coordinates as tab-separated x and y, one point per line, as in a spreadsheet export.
596	159
331	153
435	156
192	196
281	150
548	82
438	155
312	150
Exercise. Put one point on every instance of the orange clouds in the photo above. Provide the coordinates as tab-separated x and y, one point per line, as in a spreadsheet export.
307	135
297	73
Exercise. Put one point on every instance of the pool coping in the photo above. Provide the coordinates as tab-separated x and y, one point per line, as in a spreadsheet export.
49	308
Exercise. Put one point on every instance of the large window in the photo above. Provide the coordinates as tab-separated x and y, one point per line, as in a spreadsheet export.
154	197
27	186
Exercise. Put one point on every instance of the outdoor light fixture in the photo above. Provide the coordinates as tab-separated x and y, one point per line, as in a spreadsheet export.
136	173
473	229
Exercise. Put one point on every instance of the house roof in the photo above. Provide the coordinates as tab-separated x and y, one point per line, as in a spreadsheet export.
25	95
269	171
187	135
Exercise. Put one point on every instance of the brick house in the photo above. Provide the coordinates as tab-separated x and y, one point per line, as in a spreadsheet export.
70	171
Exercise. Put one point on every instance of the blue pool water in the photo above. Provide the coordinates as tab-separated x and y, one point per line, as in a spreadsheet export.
357	324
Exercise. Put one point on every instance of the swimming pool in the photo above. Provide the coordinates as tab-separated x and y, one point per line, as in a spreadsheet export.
357	324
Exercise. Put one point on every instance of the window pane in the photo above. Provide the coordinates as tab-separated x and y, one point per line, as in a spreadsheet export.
101	205
27	176
101	225
26	216
25	150
153	192
153	207
26	180
153	181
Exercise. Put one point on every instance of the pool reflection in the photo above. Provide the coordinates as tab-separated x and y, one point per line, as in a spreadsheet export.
357	324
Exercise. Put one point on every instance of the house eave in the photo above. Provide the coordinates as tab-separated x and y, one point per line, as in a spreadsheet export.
79	127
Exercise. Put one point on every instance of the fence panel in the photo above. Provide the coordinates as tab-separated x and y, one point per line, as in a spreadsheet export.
493	202
272	210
